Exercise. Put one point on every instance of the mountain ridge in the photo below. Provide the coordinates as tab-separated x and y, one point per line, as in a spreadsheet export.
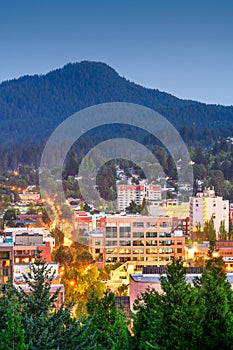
40	103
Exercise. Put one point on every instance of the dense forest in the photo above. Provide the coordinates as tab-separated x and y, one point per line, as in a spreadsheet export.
31	107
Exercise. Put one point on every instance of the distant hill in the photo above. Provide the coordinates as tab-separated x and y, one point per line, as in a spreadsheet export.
32	106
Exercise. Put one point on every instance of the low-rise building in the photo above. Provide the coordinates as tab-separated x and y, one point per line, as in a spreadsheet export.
139	283
6	262
29	197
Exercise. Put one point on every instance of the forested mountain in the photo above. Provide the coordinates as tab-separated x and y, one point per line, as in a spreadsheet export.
32	106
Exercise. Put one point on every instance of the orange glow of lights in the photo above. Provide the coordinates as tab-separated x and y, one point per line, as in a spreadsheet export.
72	283
215	254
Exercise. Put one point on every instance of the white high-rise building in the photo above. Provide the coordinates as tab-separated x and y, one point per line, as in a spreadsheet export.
205	205
128	193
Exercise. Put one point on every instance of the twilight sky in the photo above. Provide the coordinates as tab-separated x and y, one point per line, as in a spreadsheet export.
184	47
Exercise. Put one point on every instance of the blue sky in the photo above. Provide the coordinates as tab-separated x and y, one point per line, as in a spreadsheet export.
181	47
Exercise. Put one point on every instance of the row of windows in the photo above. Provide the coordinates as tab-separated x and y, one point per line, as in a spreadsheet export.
138	224
142	250
214	205
139	258
141	243
128	234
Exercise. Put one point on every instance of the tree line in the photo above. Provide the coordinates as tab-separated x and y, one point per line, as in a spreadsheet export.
197	315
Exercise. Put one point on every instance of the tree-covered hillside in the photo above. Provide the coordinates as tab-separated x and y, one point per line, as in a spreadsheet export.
32	106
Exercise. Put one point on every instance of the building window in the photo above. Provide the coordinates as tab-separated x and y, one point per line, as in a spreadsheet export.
151	235
111	243
151	224
138	224
151	258
125	232
4	255
111	251
138	258
166	250
138	250
97	251
111	229
138	243
5	272
124	251
138	234
151	251
151	243
125	243
111	235
123	260
179	250
164	224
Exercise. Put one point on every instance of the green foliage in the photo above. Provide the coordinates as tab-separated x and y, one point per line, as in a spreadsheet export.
217	308
12	337
83	259
10	214
210	233
185	316
170	320
222	231
58	235
63	255
108	323
79	284
45	326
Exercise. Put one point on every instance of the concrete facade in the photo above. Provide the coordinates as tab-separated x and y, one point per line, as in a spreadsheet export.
205	205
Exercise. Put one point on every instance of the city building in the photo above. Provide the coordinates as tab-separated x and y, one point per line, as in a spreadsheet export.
29	197
196	253
6	262
139	283
128	193
96	244
204	206
144	240
85	222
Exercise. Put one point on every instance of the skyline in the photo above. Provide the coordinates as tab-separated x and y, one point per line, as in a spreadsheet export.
182	49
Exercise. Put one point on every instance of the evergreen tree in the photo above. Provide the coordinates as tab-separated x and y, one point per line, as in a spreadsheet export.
210	233
12	337
171	320
217	308
107	323
46	328
222	231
